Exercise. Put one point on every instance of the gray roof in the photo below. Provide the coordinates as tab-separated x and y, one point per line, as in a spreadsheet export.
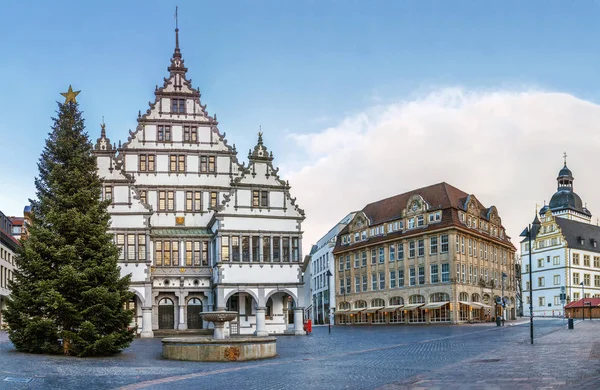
580	235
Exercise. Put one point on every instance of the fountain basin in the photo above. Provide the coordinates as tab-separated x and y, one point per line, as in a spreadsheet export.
207	349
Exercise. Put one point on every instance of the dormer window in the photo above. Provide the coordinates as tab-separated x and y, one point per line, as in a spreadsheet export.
364	235
356	237
420	221
411	223
401	225
395	226
372	232
178	106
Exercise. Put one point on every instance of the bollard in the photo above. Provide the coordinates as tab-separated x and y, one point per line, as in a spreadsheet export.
570	323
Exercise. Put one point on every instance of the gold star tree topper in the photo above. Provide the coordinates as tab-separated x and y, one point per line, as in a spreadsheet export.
70	95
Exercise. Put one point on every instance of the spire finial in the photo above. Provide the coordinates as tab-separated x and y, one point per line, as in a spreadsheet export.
103	128
537	206
260	141
177	52
565	157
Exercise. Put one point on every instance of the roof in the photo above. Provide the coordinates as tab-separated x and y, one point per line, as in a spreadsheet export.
180	232
575	231
439	196
7	239
17	220
593	302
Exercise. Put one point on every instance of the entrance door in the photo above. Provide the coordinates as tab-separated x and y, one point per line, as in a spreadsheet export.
194	308
166	314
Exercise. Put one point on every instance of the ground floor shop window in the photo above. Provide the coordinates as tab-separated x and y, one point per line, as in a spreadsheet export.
379	317
343	319
360	318
440	315
463	313
416	316
397	317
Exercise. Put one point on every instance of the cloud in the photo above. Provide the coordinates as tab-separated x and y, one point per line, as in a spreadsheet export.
503	146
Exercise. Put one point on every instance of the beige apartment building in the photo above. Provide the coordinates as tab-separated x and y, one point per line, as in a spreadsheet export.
431	255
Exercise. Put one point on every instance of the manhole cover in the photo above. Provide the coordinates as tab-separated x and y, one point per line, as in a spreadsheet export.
486	360
17	380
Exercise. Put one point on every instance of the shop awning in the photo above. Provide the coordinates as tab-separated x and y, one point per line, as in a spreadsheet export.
434	305
373	309
356	311
412	306
390	309
474	305
483	305
341	311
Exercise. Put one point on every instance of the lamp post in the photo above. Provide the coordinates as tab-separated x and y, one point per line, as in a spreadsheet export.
502	299
582	303
329	275
527	233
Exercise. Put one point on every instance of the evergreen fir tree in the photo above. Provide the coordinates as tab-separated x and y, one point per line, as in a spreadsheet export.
68	285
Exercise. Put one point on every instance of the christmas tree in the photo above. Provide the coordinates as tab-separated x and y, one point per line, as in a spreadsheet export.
68	296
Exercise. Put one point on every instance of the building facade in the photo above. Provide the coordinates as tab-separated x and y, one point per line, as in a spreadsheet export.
198	229
8	248
20	225
321	261
432	255
565	253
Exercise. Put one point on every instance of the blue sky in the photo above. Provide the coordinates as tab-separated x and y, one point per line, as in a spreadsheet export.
288	66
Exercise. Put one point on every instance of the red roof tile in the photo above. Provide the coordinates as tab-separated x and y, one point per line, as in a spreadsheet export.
588	302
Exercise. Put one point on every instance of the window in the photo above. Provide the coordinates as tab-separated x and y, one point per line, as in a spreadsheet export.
121	246
586	260
178	106
464	272
164	133
193	201
575	278
381	255
364	283
444	241
400	251
363	235
131	247
166	200
213	199
356	261
108	193
392	251
208	164
596	280
225	248
556	280
411	223
347	261
475	275
556	260
412	275
357	283
434	273
341	267
420	221
411	249
462	245
364	258
400	278
276	249
382	280
540	263
196	253
342	290
445	272
474	248
190	134
373	282
392	279
146	163
596	261
295	249
421	248
541	281
176	163
576	296
433	245
470	247
166	253
373	256
542	301
260	198
575	258
586	279
348	286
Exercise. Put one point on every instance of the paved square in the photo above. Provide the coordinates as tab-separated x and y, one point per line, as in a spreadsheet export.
479	356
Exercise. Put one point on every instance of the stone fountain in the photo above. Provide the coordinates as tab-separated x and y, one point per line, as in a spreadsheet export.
219	348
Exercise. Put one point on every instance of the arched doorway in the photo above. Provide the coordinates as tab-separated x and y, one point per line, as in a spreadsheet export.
166	314
194	308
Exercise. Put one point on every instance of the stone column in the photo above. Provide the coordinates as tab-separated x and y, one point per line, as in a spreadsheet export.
182	324
182	253
147	322
261	327
298	321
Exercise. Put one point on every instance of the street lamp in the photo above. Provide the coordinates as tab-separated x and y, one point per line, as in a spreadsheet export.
582	303
329	275
527	233
503	303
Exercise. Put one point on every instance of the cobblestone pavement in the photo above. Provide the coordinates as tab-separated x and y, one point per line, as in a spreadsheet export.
384	357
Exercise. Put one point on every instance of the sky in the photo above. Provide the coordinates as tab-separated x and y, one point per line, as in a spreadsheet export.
357	100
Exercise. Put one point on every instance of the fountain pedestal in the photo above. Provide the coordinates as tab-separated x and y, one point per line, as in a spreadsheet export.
219	348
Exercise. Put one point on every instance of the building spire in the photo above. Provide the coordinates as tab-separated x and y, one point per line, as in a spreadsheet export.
565	157
177	60
177	51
